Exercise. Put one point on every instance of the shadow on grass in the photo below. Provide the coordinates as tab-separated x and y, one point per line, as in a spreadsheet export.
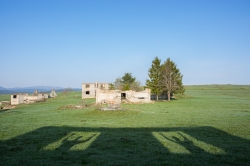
125	146
3	110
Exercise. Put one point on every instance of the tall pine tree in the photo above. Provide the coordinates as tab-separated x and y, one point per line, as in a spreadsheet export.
171	81
155	77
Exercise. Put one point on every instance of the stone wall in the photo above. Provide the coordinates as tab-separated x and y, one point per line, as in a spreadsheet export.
108	96
16	99
89	89
25	98
138	97
116	96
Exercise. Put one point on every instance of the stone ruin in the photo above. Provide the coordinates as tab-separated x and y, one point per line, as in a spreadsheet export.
117	96
53	93
89	89
113	98
113	104
20	98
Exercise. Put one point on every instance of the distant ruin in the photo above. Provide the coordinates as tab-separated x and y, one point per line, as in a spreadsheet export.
113	98
89	89
20	98
53	93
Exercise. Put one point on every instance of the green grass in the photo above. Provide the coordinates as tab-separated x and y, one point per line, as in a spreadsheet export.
211	126
5	97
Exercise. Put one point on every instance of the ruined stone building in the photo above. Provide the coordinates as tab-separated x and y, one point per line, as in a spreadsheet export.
103	95
20	98
52	93
89	89
117	96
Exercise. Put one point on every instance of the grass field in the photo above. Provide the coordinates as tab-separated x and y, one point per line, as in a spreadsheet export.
211	126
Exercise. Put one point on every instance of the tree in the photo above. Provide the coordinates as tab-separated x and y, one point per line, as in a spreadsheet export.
171	81
127	80
135	86
155	77
118	83
111	86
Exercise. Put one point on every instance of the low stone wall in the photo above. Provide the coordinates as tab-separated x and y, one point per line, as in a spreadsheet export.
138	97
17	98
117	96
25	98
108	96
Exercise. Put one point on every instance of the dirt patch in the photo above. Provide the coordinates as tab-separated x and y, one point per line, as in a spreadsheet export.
73	107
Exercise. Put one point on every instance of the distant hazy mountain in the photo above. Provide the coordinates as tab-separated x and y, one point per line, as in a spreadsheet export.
32	89
38	88
2	88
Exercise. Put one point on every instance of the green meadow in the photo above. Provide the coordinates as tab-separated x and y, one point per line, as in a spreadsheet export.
208	126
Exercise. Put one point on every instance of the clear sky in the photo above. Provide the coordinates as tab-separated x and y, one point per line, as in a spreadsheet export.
68	42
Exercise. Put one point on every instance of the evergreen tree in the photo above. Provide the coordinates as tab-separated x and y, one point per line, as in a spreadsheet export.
171	81
155	76
127	80
111	86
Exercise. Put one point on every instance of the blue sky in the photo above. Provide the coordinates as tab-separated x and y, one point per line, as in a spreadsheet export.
65	43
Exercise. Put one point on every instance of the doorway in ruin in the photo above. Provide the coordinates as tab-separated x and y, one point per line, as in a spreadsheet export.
123	96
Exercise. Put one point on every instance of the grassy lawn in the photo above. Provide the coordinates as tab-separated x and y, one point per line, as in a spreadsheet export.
209	127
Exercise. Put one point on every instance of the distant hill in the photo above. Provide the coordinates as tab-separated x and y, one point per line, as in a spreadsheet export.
2	88
32	89
38	88
2	91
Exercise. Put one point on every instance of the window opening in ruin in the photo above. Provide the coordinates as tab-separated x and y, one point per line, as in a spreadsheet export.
87	85
14	96
87	92
123	95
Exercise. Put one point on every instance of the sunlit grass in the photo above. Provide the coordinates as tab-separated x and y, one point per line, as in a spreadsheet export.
174	142
75	140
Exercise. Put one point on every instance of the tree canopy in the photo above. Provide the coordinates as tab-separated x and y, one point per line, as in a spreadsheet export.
118	83
164	78
155	76
111	86
171	81
128	79
127	82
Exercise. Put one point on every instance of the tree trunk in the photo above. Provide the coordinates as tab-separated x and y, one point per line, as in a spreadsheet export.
156	97
168	96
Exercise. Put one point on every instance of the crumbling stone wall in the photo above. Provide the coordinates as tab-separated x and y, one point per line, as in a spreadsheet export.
53	93
138	97
115	96
17	98
25	98
89	89
108	97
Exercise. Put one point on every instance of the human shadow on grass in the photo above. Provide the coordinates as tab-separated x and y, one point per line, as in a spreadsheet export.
125	146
